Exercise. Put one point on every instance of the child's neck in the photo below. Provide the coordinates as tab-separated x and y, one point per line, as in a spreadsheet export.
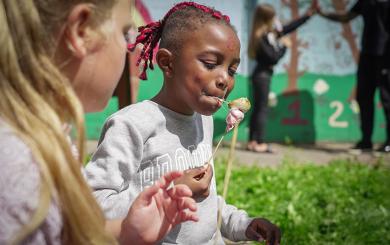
169	101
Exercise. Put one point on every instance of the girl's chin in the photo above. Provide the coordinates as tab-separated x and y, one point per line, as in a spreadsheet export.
210	109
207	105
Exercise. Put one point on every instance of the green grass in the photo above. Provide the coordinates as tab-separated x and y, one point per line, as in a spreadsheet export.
342	203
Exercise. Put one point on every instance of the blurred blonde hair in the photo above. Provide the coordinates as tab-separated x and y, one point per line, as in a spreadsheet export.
262	23
36	100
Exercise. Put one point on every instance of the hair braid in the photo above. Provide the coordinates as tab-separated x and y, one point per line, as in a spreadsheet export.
150	34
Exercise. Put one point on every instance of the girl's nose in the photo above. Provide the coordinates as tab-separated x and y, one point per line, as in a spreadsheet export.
222	82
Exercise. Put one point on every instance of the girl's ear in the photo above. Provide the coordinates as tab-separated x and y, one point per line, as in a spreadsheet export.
77	29
164	59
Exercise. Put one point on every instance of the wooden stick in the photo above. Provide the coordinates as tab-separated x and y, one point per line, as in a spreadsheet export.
230	162
227	174
220	140
216	148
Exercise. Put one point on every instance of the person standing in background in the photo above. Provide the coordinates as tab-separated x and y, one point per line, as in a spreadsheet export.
373	68
267	45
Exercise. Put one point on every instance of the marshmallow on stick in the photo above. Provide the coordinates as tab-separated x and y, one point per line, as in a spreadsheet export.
236	113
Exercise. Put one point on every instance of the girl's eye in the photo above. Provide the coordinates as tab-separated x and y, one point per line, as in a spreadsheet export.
232	72
208	65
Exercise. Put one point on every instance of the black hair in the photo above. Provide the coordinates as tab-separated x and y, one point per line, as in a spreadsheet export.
182	18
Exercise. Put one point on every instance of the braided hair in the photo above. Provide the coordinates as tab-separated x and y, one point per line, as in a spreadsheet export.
184	16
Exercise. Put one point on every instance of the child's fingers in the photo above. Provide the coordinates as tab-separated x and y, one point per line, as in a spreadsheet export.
207	167
187	215
179	191
168	178
196	171
209	173
271	238
187	203
255	236
278	236
146	196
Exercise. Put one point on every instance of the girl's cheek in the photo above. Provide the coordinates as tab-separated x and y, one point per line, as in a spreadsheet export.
231	85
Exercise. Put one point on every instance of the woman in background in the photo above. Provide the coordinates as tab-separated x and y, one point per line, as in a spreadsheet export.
267	45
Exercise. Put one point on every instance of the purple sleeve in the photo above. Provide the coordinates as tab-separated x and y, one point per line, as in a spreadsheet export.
19	193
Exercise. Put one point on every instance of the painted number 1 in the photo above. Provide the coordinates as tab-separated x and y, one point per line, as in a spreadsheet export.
296	119
333	118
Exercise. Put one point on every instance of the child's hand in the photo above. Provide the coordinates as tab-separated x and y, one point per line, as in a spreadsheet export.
198	180
161	206
262	229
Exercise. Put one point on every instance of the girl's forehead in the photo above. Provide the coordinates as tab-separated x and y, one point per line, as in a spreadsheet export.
232	42
222	34
213	39
216	31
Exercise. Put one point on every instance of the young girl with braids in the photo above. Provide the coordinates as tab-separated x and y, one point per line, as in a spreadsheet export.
199	53
52	55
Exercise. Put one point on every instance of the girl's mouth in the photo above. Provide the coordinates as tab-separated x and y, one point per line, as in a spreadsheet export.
218	99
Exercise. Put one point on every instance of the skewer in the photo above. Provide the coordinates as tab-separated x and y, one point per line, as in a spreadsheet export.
220	140
243	107
216	148
227	179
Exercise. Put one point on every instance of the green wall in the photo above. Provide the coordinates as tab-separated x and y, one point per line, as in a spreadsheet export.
94	121
304	116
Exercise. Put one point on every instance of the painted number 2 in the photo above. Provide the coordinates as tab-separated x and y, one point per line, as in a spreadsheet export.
333	118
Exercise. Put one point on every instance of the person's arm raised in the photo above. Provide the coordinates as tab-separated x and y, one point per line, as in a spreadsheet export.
343	18
339	17
295	24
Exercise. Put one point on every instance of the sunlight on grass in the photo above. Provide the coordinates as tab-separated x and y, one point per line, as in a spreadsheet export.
342	203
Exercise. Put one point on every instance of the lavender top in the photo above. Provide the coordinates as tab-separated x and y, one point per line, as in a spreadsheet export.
19	193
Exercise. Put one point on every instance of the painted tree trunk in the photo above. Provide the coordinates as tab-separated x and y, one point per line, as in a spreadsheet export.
296	43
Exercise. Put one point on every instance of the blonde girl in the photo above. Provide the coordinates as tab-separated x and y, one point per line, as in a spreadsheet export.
59	58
